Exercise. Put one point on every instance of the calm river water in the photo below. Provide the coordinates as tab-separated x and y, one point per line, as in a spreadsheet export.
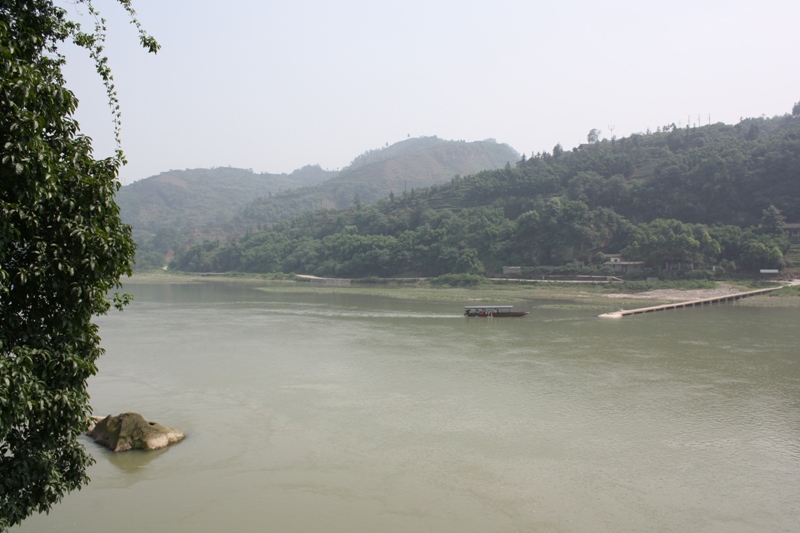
337	413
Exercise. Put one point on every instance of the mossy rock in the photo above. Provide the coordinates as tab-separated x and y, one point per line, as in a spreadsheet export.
130	431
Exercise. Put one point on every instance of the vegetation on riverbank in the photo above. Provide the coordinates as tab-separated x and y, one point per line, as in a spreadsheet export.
594	296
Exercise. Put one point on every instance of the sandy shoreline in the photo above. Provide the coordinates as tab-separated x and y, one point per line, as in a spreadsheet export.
678	294
561	295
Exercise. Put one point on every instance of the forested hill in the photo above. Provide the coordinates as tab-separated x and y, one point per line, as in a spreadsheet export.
197	197
713	196
716	174
406	165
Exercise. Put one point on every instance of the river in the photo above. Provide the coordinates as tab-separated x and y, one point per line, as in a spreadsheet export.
344	413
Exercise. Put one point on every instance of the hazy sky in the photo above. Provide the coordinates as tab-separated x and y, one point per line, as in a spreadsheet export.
274	86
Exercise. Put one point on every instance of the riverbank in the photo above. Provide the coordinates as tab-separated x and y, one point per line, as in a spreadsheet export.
600	297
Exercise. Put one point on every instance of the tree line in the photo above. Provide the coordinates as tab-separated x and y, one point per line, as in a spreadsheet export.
710	197
405	237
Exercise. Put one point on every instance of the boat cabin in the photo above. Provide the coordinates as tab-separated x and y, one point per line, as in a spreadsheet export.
496	311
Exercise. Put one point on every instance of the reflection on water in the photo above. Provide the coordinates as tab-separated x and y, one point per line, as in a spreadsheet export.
329	413
132	462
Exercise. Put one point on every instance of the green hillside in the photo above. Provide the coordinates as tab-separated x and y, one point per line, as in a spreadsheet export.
708	200
412	163
199	197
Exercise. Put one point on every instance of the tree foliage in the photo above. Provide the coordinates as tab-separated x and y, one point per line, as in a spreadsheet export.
772	221
62	248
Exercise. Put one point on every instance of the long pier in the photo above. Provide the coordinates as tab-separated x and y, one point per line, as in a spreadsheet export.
691	303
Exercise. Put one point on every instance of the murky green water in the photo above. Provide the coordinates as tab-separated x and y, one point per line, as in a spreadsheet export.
315	413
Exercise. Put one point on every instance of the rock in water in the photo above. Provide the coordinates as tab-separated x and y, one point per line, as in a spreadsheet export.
130	431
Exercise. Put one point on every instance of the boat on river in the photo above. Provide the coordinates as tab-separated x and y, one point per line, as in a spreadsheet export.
493	311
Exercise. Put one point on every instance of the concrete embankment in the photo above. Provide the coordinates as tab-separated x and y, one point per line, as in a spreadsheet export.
690	303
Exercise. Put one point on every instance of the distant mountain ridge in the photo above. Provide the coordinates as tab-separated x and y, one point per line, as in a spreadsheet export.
180	208
196	197
404	147
412	163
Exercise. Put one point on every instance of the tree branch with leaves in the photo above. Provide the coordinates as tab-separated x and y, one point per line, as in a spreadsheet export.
63	247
